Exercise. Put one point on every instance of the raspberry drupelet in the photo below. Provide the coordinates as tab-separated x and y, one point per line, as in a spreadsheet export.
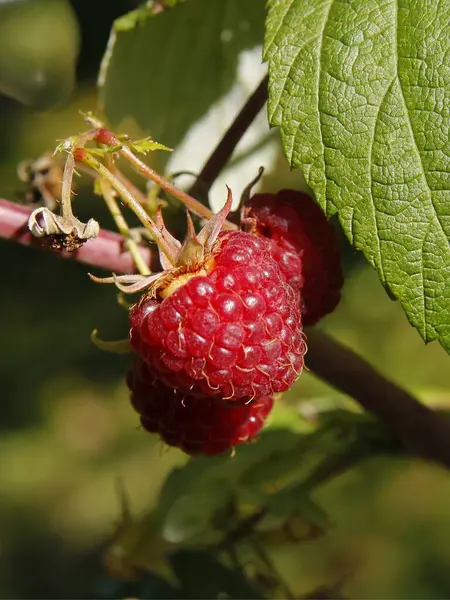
195	424
233	332
305	246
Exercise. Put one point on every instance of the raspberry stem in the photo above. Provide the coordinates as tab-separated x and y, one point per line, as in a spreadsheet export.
66	190
122	226
83	155
223	151
104	136
191	203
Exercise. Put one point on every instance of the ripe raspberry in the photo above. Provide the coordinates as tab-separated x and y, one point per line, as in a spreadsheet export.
230	329
305	246
197	425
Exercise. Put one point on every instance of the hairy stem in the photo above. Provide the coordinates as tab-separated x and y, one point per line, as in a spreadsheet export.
122	227
188	200
127	197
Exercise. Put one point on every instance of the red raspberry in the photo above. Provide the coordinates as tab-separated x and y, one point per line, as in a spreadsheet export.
197	425
234	332
305	246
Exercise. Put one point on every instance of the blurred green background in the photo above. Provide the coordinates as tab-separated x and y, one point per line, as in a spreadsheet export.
67	432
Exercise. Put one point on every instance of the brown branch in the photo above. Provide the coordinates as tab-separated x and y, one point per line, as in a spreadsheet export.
105	252
422	431
225	148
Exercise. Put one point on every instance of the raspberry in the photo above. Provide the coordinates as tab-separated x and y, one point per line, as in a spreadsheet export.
220	320
230	329
196	424
304	245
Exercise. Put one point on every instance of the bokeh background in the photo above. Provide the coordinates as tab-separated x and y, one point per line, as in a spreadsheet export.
68	434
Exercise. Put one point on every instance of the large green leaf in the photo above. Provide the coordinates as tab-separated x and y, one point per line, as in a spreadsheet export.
361	92
166	70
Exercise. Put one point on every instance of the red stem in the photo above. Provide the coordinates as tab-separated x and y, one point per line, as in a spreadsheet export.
104	252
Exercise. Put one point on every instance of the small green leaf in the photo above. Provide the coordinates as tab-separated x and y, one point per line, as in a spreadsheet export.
360	90
148	145
154	73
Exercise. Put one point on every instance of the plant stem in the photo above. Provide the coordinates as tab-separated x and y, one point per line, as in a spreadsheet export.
134	190
422	431
191	203
127	198
66	189
123	228
225	148
105	251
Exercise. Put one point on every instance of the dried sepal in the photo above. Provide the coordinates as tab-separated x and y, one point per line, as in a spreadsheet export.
114	347
246	193
129	284
210	231
192	251
65	232
167	262
179	261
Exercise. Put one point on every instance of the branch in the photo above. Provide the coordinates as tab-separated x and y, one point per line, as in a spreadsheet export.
421	430
107	251
225	148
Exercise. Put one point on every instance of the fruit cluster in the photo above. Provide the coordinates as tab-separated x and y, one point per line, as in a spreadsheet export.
220	331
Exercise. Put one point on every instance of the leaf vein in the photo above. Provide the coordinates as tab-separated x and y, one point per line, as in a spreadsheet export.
319	72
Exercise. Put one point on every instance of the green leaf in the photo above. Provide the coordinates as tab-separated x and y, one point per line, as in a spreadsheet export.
38	51
361	92
148	145
293	502
202	499
155	72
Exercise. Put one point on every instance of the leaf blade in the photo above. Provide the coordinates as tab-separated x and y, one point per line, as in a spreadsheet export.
359	89
153	72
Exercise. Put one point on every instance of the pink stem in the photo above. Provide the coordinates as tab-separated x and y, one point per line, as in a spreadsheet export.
104	252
